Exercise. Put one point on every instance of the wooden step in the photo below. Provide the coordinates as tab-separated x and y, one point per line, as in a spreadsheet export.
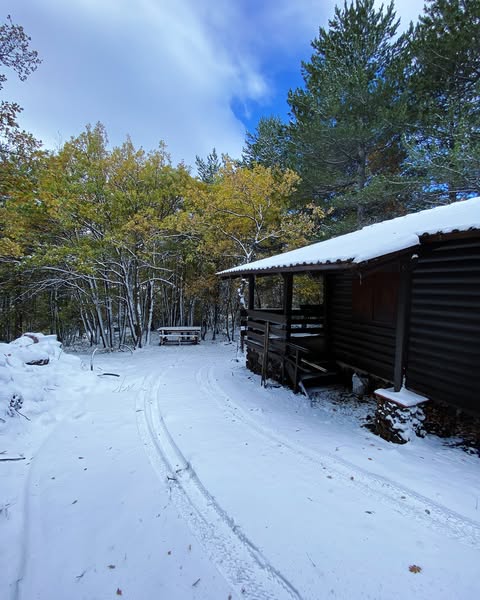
315	391
319	379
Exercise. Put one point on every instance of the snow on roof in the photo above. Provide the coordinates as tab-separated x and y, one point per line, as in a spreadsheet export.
375	240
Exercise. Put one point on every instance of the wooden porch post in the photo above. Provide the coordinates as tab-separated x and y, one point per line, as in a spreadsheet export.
287	302
326	313
244	312
251	292
401	324
287	312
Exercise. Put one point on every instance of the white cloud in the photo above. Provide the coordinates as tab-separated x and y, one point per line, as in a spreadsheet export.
155	69
306	16
162	69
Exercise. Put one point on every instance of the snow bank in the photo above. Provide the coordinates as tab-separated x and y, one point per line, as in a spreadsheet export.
30	367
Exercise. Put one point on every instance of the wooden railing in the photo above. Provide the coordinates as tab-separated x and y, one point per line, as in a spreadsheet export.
288	337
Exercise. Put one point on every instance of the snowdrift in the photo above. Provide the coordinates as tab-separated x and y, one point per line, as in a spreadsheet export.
30	368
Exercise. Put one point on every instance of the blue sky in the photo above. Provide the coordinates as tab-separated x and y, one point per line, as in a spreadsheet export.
194	73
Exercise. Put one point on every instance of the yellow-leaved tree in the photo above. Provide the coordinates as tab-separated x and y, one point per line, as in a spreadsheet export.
243	215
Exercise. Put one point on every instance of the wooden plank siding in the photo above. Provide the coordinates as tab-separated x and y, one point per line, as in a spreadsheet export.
416	315
365	344
443	357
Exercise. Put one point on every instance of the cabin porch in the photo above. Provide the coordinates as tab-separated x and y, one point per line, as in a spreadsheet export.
289	344
330	322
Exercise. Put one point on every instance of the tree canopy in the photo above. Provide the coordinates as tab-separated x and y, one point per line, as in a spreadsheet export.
350	111
444	87
114	241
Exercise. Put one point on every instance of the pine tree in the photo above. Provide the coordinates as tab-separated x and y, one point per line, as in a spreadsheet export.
208	169
444	84
348	118
269	145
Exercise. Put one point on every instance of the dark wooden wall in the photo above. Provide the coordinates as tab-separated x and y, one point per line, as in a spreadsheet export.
362	314
443	358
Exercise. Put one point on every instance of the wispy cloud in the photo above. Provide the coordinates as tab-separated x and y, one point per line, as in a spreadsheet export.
153	69
189	72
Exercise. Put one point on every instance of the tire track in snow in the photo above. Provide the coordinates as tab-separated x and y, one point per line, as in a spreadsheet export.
25	532
241	563
30	498
414	505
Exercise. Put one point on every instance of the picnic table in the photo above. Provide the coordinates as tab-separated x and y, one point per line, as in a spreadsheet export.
179	335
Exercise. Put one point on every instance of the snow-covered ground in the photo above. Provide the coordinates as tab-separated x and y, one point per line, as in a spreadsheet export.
184	479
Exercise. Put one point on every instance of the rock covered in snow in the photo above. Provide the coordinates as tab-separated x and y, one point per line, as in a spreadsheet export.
36	348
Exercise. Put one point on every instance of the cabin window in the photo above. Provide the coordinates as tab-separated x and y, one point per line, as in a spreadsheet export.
374	297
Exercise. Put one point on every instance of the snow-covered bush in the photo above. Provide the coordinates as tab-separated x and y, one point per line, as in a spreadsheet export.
29	369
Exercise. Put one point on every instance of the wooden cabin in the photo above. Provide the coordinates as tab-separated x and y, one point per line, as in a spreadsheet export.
400	303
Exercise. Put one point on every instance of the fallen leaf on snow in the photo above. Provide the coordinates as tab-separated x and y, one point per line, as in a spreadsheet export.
414	569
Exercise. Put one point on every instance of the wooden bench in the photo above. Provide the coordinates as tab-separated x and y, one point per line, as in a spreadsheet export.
179	335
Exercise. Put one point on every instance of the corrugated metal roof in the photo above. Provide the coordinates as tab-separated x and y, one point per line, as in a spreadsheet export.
376	240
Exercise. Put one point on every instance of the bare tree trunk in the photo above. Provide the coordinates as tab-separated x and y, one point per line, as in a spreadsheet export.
191	312
151	291
98	312
86	325
227	329
361	180
233	317
109	315
130	305
122	324
215	321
